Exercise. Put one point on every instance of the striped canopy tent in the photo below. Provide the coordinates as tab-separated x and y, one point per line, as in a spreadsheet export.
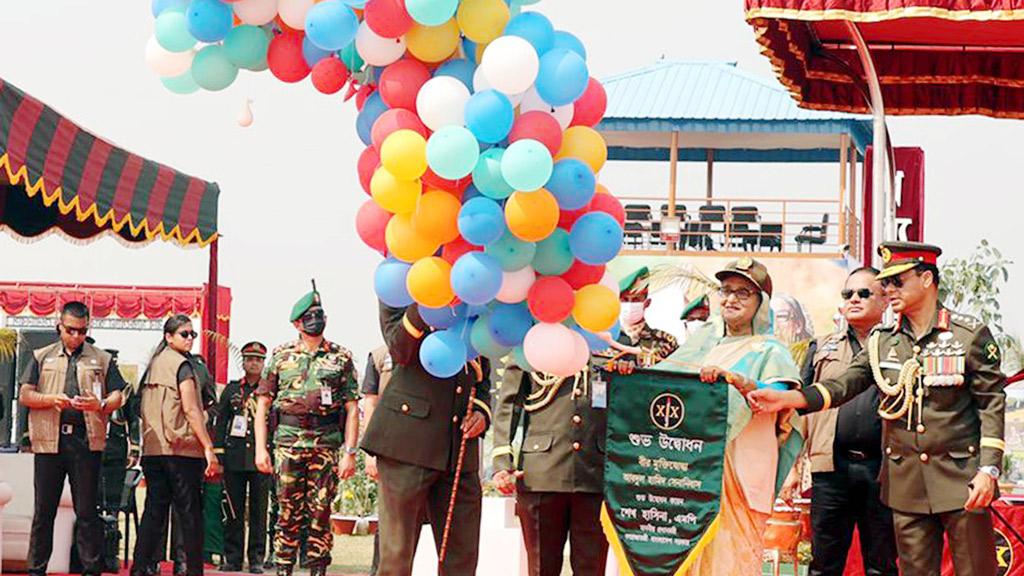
58	177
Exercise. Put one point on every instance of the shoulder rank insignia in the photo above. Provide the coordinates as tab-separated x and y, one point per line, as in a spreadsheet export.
892	356
992	351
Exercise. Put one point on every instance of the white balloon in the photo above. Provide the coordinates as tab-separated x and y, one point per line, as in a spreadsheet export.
532	101
376	50
515	286
167	64
245	115
442	102
480	84
293	12
255	12
510	64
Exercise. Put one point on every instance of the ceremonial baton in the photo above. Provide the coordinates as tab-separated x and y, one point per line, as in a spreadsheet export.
455	485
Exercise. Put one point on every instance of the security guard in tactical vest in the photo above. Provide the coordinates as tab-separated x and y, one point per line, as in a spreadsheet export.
244	486
943	404
312	385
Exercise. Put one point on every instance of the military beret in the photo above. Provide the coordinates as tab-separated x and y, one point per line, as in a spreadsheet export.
700	302
636	282
308	301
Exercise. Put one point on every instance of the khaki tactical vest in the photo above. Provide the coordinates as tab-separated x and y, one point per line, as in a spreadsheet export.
165	430
832	358
44	423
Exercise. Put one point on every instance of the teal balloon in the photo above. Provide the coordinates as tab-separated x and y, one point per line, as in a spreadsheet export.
246	47
511	253
519	358
350	58
554	256
452	152
171	31
183	84
481	339
526	165
487	175
431	12
212	70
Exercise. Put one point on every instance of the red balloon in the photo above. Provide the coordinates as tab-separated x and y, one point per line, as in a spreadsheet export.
610	205
566	218
388	18
454	186
579	274
369	160
284	57
393	120
550	299
371	221
540	126
589	108
455	249
401	82
330	75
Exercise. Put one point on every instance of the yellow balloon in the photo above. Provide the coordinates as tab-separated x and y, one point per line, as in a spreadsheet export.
404	242
437	216
483	20
531	216
404	154
433	43
586	144
596	308
393	194
429	282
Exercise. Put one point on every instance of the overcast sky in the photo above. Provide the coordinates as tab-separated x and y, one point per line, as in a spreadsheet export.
289	191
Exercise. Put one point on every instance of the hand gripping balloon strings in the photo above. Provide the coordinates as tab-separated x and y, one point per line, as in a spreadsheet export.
458	474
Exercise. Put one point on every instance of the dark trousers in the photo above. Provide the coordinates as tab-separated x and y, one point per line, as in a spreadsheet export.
971	541
245	490
82	468
848	497
548	518
171	481
408	493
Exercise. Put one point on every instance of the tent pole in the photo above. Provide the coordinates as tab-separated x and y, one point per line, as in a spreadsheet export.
211	304
673	167
882	227
711	174
844	155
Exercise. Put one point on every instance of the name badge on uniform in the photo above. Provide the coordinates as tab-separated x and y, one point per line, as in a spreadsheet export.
599	393
325	396
239	426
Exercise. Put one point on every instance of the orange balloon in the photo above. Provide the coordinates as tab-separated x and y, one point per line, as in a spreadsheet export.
601	189
586	144
532	216
404	242
429	282
437	216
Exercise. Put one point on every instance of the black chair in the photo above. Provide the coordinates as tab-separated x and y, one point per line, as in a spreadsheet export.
639	215
680	211
770	237
813	235
634	234
742	229
712	221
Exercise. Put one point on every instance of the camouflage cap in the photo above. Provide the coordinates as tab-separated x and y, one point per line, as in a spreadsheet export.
750	269
898	257
308	301
254	349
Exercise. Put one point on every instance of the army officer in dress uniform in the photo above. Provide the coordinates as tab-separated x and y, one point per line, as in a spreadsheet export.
943	403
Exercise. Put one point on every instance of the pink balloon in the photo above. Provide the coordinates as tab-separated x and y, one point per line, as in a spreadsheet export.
394	120
388	18
371	221
515	286
401	82
539	126
545	347
610	281
590	108
581	353
369	160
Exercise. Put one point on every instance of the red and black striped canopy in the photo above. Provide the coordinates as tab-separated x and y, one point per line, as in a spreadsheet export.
54	175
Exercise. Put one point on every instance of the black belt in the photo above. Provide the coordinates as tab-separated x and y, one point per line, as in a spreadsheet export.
309	420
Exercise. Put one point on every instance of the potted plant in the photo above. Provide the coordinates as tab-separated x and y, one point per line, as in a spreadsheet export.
354	510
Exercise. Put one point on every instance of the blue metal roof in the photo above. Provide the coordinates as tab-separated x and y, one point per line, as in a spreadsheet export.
715	105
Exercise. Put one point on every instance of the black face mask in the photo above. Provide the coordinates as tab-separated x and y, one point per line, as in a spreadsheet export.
314	322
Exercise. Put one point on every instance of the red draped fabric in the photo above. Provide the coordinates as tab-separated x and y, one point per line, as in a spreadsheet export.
104	301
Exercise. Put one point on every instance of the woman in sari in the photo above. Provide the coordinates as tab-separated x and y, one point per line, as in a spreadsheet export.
737	345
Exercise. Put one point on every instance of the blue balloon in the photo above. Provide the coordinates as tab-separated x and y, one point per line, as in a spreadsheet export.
331	25
389	283
443	354
594	342
470	193
535	28
480	336
569	41
481	221
460	69
487	175
489	116
469	49
476	310
509	323
159	6
464	328
476	278
443	317
572	183
360	4
312	53
209	20
595	238
563	77
511	252
372	109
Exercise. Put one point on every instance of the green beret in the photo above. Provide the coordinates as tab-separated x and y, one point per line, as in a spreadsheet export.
305	303
700	302
635	282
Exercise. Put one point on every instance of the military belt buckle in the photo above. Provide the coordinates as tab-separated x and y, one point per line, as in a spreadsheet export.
67	429
856	455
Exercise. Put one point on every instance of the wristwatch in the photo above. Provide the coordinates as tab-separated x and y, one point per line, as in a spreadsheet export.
991	471
351	451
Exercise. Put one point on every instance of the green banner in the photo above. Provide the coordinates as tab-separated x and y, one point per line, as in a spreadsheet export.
663	468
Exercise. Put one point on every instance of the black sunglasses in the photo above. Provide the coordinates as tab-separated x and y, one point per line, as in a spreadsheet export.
188	334
76	331
848	293
896	281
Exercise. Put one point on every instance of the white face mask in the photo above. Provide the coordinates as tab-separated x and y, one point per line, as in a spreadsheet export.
691	326
631	313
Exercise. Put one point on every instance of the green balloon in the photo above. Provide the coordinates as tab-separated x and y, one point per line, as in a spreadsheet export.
452	152
487	175
171	30
212	70
511	252
553	257
526	165
519	357
183	84
481	339
350	58
246	47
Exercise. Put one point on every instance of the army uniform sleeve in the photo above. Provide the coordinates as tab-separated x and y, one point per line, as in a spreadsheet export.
114	382
836	392
225	413
268	383
507	414
986	383
403	331
351	380
482	399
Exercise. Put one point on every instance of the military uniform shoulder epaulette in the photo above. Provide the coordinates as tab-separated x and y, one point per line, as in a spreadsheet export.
965	321
831	342
285	347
